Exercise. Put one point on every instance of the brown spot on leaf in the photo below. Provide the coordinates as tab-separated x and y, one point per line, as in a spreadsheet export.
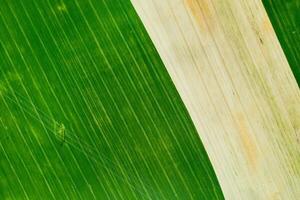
248	144
266	25
201	13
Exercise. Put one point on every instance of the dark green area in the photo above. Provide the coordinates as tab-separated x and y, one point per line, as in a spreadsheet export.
88	110
285	18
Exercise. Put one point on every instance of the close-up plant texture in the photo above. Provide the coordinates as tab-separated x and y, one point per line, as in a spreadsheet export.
149	99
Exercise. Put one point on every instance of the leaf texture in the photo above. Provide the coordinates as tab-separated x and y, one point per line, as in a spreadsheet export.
88	110
285	17
231	73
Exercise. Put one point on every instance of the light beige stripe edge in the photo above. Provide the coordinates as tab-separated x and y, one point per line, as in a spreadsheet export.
234	79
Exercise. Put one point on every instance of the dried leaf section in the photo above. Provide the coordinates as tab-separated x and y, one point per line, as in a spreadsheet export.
229	68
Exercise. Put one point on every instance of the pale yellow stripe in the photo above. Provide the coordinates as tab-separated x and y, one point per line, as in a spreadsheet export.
234	79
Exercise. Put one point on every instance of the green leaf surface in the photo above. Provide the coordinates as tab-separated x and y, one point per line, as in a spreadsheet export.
88	110
285	18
